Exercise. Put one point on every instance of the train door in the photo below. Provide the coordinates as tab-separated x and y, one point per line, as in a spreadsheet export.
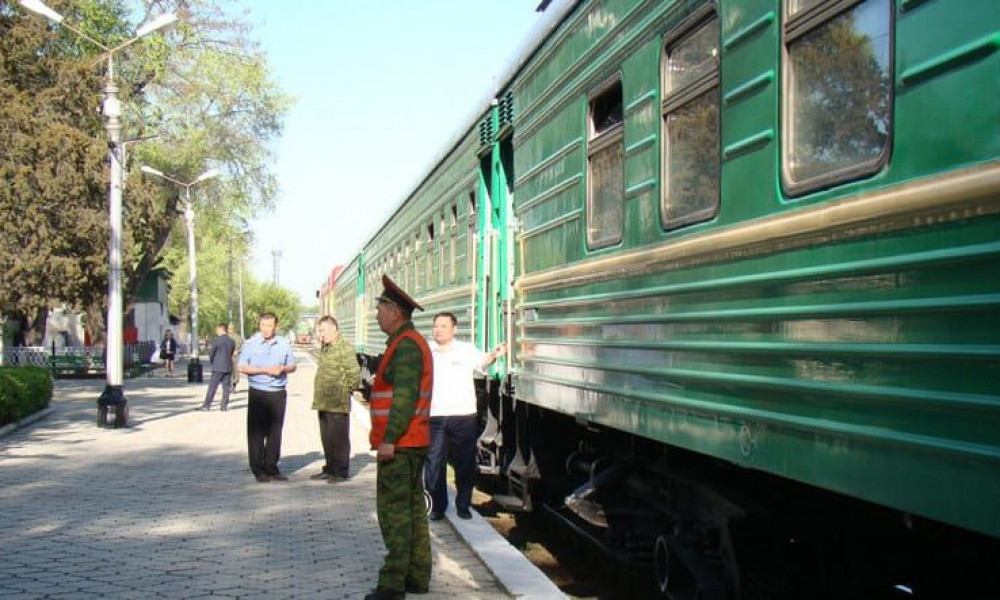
495	263
360	327
494	252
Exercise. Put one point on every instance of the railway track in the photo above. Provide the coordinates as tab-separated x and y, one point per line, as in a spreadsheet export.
576	567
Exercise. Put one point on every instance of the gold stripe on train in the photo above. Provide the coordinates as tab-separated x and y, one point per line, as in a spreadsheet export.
960	195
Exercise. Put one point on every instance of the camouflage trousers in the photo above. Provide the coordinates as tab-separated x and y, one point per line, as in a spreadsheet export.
402	517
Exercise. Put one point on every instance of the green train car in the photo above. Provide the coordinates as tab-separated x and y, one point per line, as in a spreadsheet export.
746	255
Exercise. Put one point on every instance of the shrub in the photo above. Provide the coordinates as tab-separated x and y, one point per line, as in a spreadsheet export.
23	391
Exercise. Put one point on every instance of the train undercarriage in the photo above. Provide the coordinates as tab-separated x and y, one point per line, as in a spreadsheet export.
706	529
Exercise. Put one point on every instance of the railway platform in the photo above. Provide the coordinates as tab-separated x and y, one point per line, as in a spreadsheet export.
167	508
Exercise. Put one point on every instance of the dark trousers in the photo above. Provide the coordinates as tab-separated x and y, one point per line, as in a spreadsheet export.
234	375
218	378
335	433
265	418
453	439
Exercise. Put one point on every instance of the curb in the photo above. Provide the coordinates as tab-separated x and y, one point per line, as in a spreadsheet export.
32	418
511	568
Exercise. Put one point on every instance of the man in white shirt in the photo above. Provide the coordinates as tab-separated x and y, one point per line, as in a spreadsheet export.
453	416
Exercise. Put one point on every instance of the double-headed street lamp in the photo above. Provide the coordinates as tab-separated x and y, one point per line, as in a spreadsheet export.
194	366
114	394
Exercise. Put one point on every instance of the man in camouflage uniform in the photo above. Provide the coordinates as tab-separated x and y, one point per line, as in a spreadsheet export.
337	374
400	408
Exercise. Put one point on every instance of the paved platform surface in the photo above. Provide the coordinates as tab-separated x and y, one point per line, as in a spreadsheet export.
167	508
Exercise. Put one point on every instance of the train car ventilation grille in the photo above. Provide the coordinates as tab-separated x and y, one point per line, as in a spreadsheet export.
506	109
485	133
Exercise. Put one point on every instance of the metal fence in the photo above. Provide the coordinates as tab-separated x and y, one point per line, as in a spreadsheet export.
137	354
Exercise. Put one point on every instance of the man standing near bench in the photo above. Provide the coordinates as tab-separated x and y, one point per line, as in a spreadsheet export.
220	354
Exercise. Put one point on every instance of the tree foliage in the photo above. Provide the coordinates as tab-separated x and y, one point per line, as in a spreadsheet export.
200	96
270	297
52	178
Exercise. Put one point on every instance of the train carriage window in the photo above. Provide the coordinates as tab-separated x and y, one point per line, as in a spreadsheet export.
431	251
838	91
690	112
605	167
454	241
406	267
418	263
470	238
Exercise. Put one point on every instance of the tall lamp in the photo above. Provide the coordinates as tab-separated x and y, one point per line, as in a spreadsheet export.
194	365
113	395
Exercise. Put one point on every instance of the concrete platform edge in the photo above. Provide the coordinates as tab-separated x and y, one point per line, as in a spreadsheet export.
514	571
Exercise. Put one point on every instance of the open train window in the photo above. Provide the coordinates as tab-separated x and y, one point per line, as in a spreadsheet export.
605	166
690	113
837	119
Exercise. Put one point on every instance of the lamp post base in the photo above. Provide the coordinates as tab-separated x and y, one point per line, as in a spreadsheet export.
112	398
194	371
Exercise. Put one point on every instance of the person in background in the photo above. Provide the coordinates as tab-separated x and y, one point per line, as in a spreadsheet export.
168	351
337	374
453	416
234	375
220	355
400	434
266	360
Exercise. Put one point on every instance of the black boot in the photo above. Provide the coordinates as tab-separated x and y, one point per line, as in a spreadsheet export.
384	594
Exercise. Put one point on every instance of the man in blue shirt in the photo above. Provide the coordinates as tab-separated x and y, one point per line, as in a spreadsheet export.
266	359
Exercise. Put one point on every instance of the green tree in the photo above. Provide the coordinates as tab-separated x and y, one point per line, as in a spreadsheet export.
203	90
270	297
53	184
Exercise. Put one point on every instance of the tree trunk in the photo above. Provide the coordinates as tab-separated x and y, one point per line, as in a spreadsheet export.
96	325
30	327
36	328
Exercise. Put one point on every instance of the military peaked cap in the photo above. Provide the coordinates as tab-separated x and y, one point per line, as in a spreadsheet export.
393	293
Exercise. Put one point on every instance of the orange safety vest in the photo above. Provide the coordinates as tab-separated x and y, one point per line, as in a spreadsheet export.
418	433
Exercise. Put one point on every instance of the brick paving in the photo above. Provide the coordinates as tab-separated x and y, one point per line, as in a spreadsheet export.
167	508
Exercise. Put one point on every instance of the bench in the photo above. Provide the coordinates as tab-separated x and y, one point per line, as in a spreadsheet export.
75	365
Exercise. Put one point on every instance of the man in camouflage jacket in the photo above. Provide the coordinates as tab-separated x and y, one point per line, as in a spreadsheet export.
400	413
337	375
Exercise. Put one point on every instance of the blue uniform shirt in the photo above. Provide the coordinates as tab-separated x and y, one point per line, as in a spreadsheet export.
271	353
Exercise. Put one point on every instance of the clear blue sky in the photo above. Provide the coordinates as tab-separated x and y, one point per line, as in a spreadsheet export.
380	86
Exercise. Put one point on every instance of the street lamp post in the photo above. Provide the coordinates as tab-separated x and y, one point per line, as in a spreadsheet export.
240	274
194	365
114	393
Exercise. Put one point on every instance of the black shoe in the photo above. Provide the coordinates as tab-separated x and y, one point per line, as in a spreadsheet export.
435	516
321	475
279	477
412	588
262	478
463	513
223	408
383	594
